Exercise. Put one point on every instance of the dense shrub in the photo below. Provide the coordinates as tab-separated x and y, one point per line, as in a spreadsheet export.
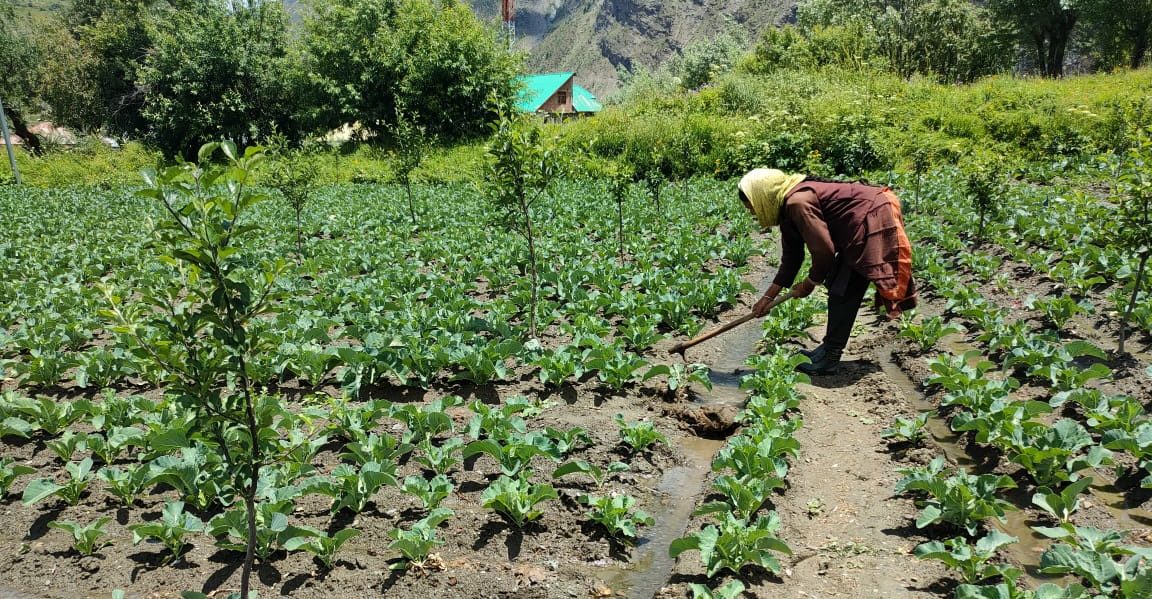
90	163
437	59
219	73
847	122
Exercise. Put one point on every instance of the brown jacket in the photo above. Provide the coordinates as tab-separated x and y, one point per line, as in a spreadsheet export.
847	227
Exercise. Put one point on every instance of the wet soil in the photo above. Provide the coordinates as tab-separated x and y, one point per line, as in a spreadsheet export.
850	536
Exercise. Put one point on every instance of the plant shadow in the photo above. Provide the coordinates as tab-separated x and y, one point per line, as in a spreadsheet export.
617	550
39	527
148	561
230	562
513	542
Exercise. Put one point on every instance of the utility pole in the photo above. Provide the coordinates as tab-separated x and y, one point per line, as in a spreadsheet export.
508	14
8	143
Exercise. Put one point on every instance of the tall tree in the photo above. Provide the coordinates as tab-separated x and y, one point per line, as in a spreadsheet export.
94	81
370	55
111	41
220	73
1120	32
1043	25
66	83
19	56
348	48
454	67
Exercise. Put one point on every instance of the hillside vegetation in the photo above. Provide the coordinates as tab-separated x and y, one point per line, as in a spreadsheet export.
599	39
837	121
828	122
847	89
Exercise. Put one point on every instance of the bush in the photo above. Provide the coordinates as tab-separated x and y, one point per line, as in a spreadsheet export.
91	163
741	94
704	61
851	121
849	145
779	48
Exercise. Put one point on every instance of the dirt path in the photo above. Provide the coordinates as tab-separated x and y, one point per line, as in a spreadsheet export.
850	536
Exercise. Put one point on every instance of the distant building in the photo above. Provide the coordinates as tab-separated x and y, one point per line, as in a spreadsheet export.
556	95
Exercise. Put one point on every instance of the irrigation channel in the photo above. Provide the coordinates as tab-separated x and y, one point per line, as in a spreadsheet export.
681	486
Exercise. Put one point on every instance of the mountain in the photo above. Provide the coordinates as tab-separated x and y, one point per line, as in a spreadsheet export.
596	37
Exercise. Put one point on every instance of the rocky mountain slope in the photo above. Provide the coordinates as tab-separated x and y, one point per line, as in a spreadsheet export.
595	38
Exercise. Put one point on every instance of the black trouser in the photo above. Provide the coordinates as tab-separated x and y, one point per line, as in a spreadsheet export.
842	310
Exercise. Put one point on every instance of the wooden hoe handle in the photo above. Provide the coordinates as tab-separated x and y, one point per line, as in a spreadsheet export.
680	348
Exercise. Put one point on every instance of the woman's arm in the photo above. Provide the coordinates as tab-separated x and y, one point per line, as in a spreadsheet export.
791	256
803	209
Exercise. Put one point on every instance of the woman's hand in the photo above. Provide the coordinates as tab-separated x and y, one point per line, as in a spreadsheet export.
763	306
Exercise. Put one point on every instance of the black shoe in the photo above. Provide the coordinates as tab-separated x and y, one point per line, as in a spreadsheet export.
814	354
829	363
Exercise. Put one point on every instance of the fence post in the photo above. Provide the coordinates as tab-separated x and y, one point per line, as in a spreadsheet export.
8	143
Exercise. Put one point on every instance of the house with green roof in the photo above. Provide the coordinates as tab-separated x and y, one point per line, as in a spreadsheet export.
555	94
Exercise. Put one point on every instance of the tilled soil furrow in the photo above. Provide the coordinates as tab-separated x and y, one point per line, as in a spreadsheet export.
850	536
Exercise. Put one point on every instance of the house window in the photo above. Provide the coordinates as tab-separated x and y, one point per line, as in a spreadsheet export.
561	98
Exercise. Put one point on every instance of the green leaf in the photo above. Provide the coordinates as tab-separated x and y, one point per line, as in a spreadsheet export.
342	536
488	446
576	467
16	427
1052	591
929	515
994	540
206	151
299	536
683	544
40	489
931	550
658	370
1098	568
713	507
1080	348
1057	532
1138	587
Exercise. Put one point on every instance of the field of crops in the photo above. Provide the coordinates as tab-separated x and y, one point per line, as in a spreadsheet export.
415	438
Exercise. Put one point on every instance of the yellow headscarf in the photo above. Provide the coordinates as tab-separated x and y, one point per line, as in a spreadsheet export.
766	189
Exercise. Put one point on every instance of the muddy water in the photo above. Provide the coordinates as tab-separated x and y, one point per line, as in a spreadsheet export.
681	486
728	367
1027	551
941	433
7	593
651	567
1127	515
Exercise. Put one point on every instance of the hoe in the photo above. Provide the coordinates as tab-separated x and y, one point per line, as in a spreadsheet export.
680	348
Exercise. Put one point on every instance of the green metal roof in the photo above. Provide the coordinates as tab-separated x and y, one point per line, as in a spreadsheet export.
584	101
538	88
